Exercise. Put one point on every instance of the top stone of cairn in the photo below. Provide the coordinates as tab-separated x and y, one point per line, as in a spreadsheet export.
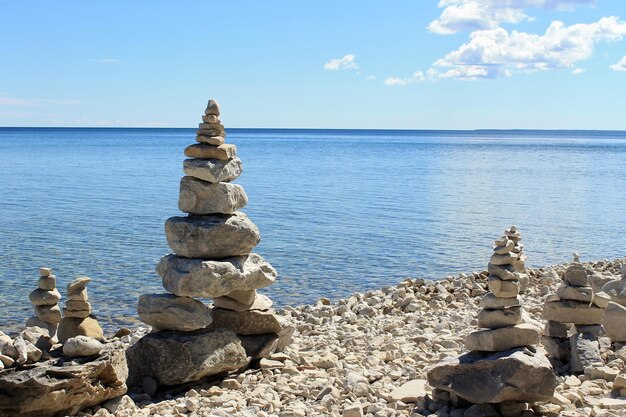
213	108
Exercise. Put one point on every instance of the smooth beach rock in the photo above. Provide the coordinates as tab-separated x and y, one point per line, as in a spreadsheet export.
614	322
64	389
201	197
80	314
512	375
576	275
410	391
494	340
503	289
77	285
72	327
223	152
243	296
513	234
81	295
81	346
211	125
246	322
503	246
489	300
260	303
213	170
210	140
494	319
210	118
172	358
47	283
49	314
212	108
41	297
170	312
50	327
211	133
575	312
505	259
213	236
567	292
202	278
77	305
45	272
504	272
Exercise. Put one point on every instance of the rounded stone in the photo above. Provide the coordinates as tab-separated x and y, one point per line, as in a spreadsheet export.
70	327
170	312
81	346
202	197
41	297
213	170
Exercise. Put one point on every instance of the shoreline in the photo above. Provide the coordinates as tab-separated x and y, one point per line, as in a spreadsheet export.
351	357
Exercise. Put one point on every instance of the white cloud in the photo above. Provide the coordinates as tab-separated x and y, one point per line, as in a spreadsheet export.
578	71
469	15
620	66
106	60
33	102
347	62
496	52
417	77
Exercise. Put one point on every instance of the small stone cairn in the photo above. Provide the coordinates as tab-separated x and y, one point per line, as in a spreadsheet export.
615	315
45	299
212	259
574	316
503	366
77	318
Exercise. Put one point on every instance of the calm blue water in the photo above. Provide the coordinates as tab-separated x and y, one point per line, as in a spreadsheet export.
339	211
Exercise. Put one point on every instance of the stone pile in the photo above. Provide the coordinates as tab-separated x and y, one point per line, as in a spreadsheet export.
574	316
615	314
503	366
212	259
45	299
77	318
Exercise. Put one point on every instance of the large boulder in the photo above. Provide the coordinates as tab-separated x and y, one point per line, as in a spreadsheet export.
172	358
213	236
213	170
57	387
614	322
170	312
202	278
513	375
201	197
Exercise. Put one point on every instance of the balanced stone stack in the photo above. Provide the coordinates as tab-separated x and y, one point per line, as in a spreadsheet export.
574	316
615	315
503	365
212	259
77	317
518	248
45	299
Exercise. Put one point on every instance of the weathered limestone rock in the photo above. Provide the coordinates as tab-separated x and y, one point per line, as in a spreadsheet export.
497	318
572	312
55	387
504	272
410	391
490	300
204	151
172	358
79	314
557	347
503	288
213	170
41	297
585	351
576	275
521	376
212	108
49	314
212	236
243	296
71	327
202	278
261	302
617	290
209	139
614	322
82	346
567	292
170	312
201	197
246	322
556	329
505	338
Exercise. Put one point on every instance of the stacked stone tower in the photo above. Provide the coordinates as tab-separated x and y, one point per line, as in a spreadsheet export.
212	258
574	316
77	317
45	299
503	365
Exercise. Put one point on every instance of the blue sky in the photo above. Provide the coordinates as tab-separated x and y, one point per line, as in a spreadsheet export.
421	64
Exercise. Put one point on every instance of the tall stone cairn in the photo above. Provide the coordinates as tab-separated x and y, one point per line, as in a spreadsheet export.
45	299
212	258
574	316
503	366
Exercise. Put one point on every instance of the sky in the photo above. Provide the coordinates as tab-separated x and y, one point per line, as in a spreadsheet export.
420	64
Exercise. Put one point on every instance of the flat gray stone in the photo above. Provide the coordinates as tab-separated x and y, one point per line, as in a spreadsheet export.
575	312
504	272
82	346
41	297
202	278
201	197
585	351
496	318
172	358
503	288
243	296
512	375
495	340
505	259
567	292
576	275
171	312
557	347
489	300
214	236
261	302
246	322
213	170
77	285
410	391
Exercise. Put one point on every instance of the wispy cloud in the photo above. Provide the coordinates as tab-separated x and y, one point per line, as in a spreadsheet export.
347	62
106	60
469	15
578	71
34	102
620	66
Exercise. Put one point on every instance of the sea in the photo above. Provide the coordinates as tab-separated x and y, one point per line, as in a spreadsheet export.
340	211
